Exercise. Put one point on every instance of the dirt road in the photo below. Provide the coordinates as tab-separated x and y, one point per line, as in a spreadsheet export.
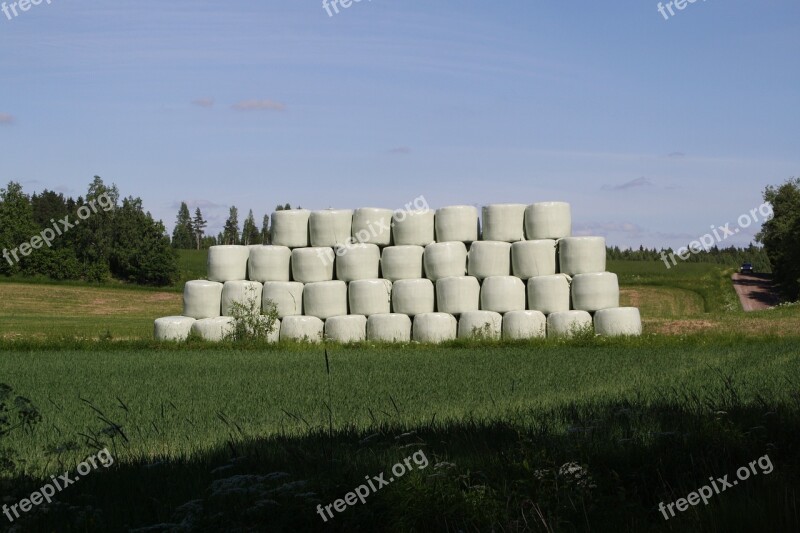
755	291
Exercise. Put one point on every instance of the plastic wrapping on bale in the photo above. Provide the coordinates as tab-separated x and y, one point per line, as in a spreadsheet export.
458	295
286	295
330	227
324	299
519	325
290	228
214	329
503	222
372	225
302	328
370	296
434	328
480	324
346	328
172	328
392	327
227	263
533	258
568	323
247	293
413	297
592	292
202	299
358	261
445	259
312	264
619	321
548	220
549	294
489	258
456	223
413	227
269	263
581	255
502	294
402	262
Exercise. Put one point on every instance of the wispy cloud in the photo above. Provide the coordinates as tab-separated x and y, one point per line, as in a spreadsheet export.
633	184
5	118
259	105
204	102
604	228
400	150
676	155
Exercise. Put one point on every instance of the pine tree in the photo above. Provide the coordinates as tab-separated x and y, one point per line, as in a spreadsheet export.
250	234
199	226
231	229
265	230
183	234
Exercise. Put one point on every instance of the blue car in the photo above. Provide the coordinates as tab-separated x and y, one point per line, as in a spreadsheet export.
746	268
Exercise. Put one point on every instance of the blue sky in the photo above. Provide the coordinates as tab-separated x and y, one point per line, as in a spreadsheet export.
652	129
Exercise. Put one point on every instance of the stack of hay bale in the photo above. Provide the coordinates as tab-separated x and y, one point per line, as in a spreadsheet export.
397	276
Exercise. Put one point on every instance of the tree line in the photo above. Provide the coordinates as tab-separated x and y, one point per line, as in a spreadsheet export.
189	232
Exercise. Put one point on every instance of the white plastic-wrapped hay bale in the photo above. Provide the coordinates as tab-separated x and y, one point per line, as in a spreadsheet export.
324	299
172	328
302	328
456	223
275	334
391	327
290	228
202	299
568	323
548	220
346	328
312	264
330	227
213	329
458	294
581	255
246	293
402	262
358	261
549	294
533	258
502	294
413	296
413	228
519	325
619	321
370	296
489	258
480	324
595	291
503	222
286	295
269	263
434	328
445	259
227	263
372	225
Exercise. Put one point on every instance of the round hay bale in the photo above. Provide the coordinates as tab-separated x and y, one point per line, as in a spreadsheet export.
582	255
413	297
358	261
519	325
548	220
312	264
213	329
456	223
346	328
324	299
568	323
533	258
445	259
392	327
502	294
269	263
503	222
489	258
172	328
619	321
227	263
202	299
434	328
287	296
458	294
290	228
330	227
372	225
592	292
302	328
402	262
480	325
247	293
413	228
549	294
370	296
